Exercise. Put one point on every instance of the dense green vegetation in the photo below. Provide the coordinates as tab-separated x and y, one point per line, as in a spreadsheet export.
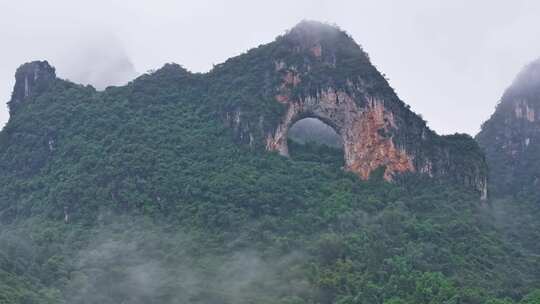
142	194
318	153
163	207
244	88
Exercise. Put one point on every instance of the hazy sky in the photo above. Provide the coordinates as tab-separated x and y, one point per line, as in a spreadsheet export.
450	60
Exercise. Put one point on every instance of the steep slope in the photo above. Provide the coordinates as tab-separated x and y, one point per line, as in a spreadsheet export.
511	136
142	194
316	70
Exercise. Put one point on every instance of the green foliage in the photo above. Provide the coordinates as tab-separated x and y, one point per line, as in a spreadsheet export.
139	194
314	152
532	298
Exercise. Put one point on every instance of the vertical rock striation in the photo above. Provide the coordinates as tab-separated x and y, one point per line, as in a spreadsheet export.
31	79
319	71
511	136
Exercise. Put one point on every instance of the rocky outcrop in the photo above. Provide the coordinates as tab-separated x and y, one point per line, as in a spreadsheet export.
321	72
365	132
511	137
31	79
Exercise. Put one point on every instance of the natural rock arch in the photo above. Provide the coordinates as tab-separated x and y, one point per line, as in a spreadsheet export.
312	129
283	148
365	132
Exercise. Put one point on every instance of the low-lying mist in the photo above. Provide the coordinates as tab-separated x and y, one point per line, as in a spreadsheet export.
134	261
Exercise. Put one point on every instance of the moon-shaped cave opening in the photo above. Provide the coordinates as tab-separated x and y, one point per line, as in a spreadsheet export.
310	139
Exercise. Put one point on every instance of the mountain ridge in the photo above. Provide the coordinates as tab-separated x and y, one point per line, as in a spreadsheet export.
164	191
317	70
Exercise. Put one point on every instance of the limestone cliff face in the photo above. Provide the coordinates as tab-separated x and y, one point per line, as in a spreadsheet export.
31	79
318	71
511	137
363	131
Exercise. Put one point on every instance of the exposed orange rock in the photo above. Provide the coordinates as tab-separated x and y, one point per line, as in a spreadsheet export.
282	98
316	50
366	132
278	140
291	78
522	110
370	149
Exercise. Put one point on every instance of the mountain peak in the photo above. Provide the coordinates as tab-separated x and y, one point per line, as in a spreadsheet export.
511	136
527	80
314	28
31	78
317	70
316	36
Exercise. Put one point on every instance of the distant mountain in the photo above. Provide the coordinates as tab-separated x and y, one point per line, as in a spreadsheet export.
511	136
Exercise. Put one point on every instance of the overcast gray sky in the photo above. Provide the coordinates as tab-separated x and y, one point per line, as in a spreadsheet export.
450	60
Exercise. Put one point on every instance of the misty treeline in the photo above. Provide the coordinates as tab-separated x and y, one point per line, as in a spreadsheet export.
392	254
133	260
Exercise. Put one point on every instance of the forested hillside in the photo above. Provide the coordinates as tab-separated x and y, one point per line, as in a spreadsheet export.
144	194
